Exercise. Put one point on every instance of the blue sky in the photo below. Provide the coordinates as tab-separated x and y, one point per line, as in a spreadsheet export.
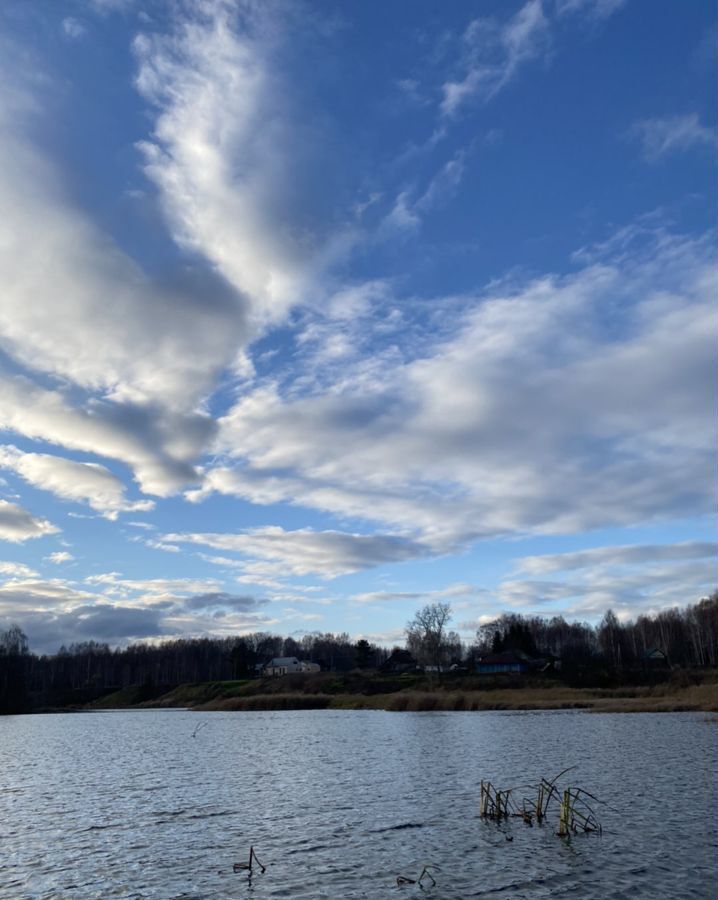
314	313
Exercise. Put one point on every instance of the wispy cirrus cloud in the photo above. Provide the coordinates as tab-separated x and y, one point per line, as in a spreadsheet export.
105	7
493	53
631	554
73	28
229	154
595	9
452	591
662	137
406	215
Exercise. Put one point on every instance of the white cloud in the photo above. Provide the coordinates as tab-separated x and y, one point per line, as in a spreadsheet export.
73	28
56	611
392	637
290	614
460	589
17	524
159	445
633	580
135	355
17	570
115	330
662	137
405	217
48	629
305	552
151	591
402	219
80	482
411	92
230	154
557	405
596	9
59	557
108	6
659	581
161	545
632	554
444	184
494	53
31	593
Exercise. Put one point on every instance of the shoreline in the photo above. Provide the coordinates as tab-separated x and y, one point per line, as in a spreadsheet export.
326	692
690	700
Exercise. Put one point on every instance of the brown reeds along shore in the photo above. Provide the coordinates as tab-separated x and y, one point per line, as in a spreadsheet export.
680	692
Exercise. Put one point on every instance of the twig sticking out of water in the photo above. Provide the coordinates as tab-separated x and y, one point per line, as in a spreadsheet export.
576	813
537	809
496	804
243	867
546	791
425	873
198	727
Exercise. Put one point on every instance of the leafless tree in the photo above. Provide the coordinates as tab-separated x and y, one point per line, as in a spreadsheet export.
426	634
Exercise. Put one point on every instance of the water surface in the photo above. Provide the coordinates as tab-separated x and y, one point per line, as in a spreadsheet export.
337	804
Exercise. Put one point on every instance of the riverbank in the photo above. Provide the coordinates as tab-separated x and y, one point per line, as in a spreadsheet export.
698	698
414	694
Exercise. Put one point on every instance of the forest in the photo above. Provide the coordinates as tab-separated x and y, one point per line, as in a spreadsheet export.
687	638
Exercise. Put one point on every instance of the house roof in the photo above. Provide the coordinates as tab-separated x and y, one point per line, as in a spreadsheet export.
506	658
398	658
283	661
400	655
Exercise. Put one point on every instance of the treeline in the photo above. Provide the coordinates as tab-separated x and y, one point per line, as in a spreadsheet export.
81	672
688	637
89	669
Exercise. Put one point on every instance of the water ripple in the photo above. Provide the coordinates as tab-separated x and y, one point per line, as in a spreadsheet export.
337	804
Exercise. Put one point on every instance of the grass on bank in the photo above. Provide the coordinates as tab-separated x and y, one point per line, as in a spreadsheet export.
417	693
695	698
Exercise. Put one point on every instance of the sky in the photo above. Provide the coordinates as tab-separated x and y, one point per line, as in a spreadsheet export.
313	313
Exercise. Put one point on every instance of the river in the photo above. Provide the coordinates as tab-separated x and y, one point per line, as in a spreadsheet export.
161	803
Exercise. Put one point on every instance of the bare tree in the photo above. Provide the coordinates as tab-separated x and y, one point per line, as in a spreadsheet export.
13	642
426	634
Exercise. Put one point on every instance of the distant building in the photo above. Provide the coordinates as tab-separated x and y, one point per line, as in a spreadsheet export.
285	665
655	658
507	661
399	661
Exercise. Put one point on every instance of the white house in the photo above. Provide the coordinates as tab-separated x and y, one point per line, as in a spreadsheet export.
284	665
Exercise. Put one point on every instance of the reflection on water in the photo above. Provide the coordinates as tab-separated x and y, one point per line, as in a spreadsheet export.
337	804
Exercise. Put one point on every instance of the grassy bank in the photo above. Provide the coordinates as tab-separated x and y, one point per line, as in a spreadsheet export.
694	698
416	693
